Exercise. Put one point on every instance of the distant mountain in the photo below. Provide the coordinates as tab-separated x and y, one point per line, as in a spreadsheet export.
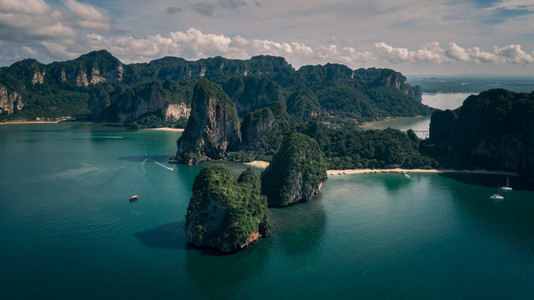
97	86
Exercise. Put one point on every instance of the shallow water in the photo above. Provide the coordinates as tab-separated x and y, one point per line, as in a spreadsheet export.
67	229
421	125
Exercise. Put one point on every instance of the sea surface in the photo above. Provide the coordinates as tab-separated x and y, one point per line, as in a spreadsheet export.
67	230
421	125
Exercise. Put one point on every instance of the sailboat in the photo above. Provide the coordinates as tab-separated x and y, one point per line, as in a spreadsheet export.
507	188
497	196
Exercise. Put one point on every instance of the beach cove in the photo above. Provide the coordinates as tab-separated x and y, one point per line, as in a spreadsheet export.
66	227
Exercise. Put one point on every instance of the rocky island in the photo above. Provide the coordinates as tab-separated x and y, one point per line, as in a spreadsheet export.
296	173
213	127
225	213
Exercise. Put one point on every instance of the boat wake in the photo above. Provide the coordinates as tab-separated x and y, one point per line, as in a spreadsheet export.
160	164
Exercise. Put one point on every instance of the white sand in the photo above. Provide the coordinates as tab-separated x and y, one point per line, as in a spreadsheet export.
265	164
166	129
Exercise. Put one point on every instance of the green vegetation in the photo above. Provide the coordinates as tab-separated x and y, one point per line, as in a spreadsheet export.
348	147
223	212
99	87
296	172
493	130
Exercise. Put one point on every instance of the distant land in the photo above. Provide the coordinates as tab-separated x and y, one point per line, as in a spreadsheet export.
474	83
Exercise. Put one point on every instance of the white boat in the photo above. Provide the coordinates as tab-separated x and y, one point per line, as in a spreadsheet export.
507	188
497	196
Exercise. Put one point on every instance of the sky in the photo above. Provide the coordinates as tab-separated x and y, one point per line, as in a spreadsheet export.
415	37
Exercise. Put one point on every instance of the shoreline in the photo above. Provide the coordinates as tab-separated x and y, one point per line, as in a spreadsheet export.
265	164
29	122
21	122
166	129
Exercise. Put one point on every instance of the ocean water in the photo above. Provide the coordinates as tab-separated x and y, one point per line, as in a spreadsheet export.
67	230
421	125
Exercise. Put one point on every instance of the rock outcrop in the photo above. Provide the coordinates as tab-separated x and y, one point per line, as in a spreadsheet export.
296	173
213	126
10	102
252	93
225	213
493	130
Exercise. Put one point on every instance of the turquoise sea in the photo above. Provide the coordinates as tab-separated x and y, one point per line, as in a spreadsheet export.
67	230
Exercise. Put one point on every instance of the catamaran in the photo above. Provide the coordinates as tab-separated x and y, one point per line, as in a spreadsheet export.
507	188
497	196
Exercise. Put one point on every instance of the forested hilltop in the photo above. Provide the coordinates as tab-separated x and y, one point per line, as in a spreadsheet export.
492	130
97	86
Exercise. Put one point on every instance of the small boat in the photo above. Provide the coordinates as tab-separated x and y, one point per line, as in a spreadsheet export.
507	188
497	196
133	198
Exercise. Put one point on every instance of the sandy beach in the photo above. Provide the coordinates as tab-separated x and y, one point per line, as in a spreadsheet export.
264	164
167	129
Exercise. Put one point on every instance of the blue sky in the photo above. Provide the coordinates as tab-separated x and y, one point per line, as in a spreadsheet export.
411	36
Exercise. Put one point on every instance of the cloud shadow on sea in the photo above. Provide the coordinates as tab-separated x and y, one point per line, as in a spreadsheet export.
166	236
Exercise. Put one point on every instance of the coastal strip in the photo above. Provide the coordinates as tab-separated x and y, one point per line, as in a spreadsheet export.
29	122
265	164
166	129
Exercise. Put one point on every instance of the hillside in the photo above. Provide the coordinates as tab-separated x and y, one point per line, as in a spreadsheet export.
492	130
97	86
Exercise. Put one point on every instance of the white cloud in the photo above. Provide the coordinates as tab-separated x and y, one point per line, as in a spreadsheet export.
27	20
29	51
514	54
87	16
514	5
431	52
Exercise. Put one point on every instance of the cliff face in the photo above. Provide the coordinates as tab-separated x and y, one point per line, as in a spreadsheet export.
98	86
9	102
264	129
494	130
212	128
389	78
223	213
89	69
251	93
296	173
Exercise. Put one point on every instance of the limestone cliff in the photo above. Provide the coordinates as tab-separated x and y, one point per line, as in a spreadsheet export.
223	213
296	173
251	93
10	101
264	129
389	78
212	128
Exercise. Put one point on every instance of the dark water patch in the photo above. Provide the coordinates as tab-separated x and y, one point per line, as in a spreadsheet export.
490	180
167	236
300	227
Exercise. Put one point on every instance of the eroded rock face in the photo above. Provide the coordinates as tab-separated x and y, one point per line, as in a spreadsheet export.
177	111
9	102
296	173
213	126
225	213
